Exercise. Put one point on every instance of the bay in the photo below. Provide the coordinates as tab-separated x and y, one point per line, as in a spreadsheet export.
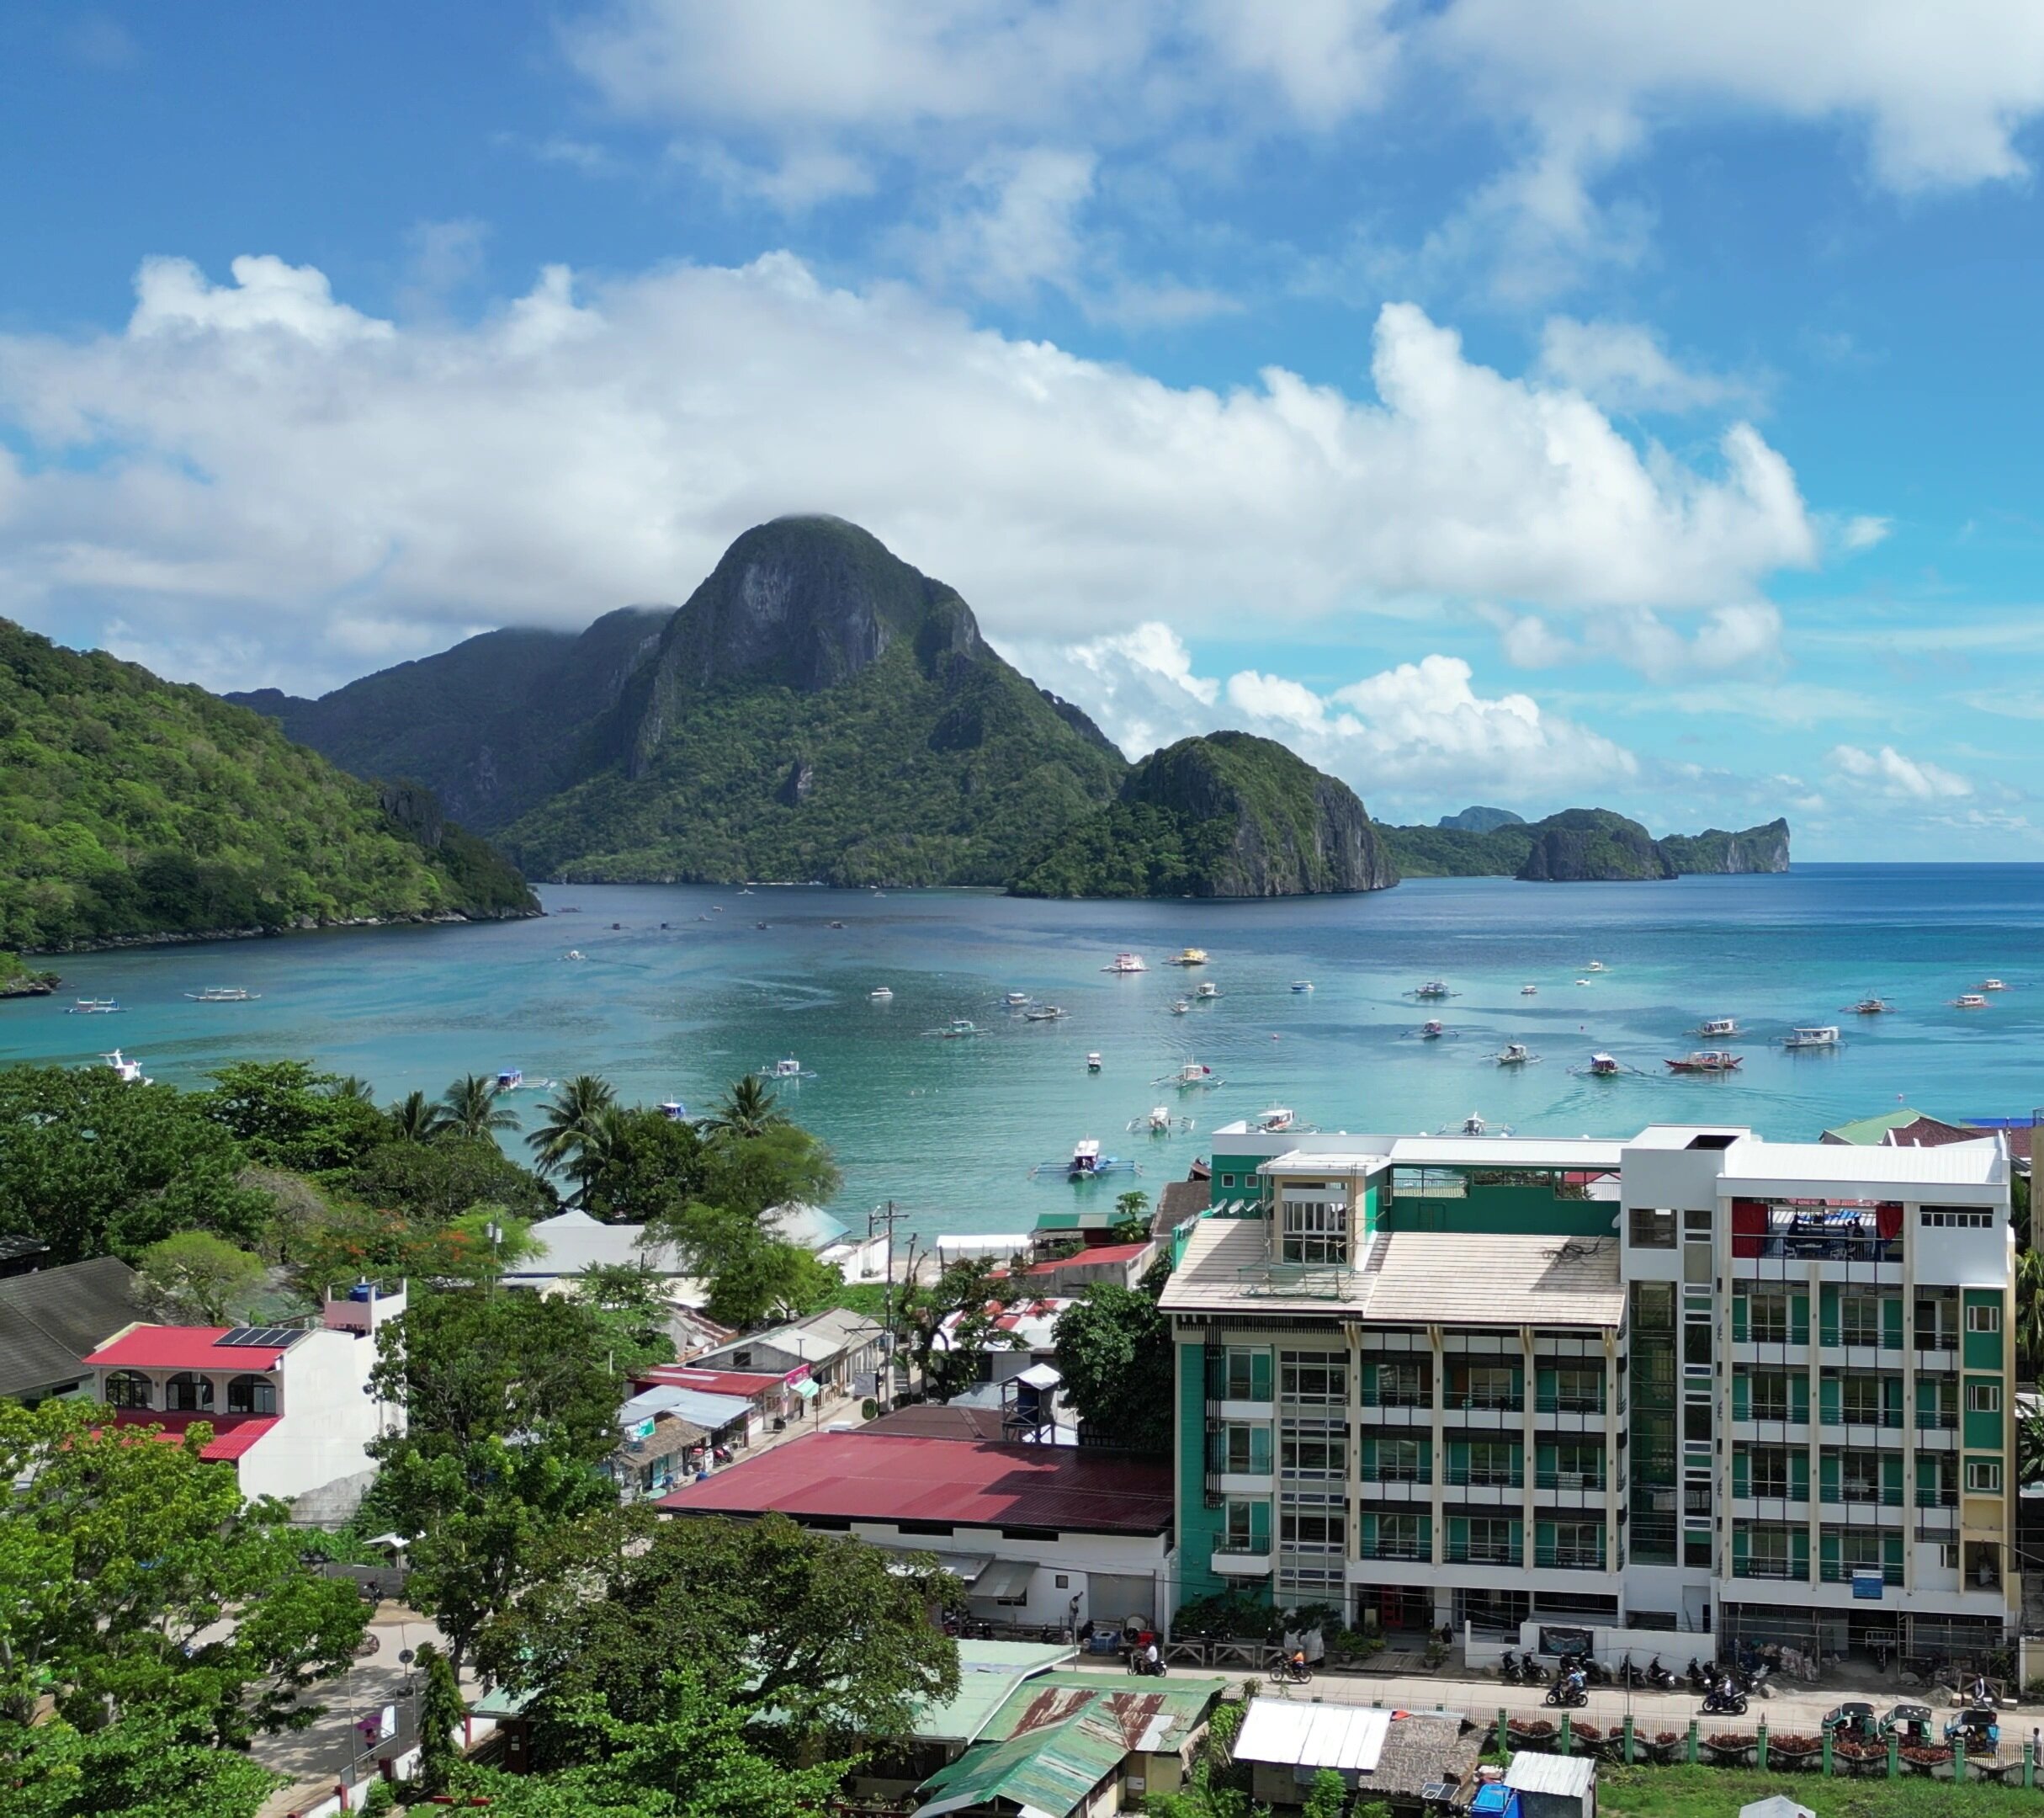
950	1129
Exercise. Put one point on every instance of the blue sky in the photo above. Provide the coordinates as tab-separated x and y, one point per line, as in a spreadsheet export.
1541	404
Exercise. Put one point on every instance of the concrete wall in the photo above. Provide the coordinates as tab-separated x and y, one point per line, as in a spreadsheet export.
327	1422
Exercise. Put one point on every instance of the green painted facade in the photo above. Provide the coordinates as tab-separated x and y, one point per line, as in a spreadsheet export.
1199	1526
1526	1211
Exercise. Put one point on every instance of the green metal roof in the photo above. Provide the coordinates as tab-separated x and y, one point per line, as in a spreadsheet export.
1045	1773
1183	1701
1069	1220
989	1673
1871	1130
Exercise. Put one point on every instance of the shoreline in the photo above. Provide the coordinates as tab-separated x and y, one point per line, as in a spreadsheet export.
299	925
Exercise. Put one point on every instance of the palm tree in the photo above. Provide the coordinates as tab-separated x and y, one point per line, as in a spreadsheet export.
748	1110
472	1109
414	1118
569	1120
2030	1314
350	1085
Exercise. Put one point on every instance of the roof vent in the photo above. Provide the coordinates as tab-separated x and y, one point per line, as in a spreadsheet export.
1713	1140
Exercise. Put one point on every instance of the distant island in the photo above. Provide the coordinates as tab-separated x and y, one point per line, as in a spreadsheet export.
134	810
1577	845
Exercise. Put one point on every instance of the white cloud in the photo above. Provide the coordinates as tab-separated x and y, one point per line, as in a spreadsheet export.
1623	367
1011	225
1863	532
261	457
1420	728
1726	638
1900	777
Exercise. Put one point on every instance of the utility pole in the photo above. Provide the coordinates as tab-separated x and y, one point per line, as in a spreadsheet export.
886	1215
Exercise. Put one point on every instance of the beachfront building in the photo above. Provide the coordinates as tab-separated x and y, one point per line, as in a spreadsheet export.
1689	1378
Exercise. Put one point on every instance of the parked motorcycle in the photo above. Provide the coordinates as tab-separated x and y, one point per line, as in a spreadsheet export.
1535	1674
1630	1676
1594	1672
1658	1678
1699	1680
1510	1671
1719	1702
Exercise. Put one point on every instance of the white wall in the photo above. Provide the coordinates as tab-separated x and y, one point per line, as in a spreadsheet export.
326	1421
1073	1555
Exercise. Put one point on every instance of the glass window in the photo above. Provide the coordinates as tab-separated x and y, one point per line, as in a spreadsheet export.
1315	1230
1318	1454
1859	1319
1243	1448
1403	1385
1494	1542
1984	1476
1579	1390
251	1395
1767	1318
1767	1552
1244	1374
186	1392
128	1389
1240	1525
1314	1527
1859	1476
1860	1400
1859	1548
1314	1376
1494	1462
1580	1463
1578	1542
1653	1228
1398	1460
1770	1393
1985	1319
1983	1398
1768	1467
1397	1537
1489	1385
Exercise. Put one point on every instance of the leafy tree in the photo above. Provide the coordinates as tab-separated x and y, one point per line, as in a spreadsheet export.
283	1113
121	1555
2030	1314
91	1165
194	1279
1132	1217
1114	1352
750	1274
472	1107
416	1118
641	1166
1327	1796
441	1711
2030	1449
349	1085
353	1243
823	1637
783	1163
693	1759
140	1768
440	1180
631	1305
569	1120
748	1108
967	1288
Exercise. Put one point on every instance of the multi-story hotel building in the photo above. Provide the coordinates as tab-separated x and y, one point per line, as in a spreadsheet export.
1689	1378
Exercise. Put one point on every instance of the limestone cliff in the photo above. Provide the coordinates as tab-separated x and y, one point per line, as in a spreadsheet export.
1581	845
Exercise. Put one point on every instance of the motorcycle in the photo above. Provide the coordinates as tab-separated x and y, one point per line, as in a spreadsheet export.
1699	1680
1510	1671
1569	1694
1143	1668
1291	1672
1594	1671
1629	1676
1535	1674
1658	1678
1722	1702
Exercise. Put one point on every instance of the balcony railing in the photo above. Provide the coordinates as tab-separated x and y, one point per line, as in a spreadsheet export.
1848	1416
1932	1420
1483	1552
1765	1568
1569	1404
1381	1472
1487	1476
1840	1571
1487	1401
1570	1480
1420	1397
1395	1547
1257	1545
1929	1496
1569	1558
1870	1495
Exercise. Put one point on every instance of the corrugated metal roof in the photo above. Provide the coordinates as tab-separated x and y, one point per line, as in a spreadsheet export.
989	1673
711	1412
1962	1164
233	1434
1045	1774
191	1348
1346	1738
1565	1776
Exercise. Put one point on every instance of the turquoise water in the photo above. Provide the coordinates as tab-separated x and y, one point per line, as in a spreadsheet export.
950	1129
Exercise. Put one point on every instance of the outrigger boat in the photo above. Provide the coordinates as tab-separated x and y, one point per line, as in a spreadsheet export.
1992	984
1475	1125
1603	1066
1594	965
1085	1163
1529	991
1971	1000
1048	1012
574	953
1432	988
1126	962
1192	1073
1182	1006
1160	1120
223	994
1706	1061
1432	1029
959	1027
1812	1035
129	1070
1208	990
1016	999
1276	1121
509	1079
1189	956
674	1111
880	994
1872	1007
788	1068
94	1006
1718	1025
1302	984
1092	1063
1515	1054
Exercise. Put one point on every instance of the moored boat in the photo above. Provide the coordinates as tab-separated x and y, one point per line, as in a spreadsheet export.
880	994
958	1026
1302	984
674	1111
1189	956
129	1070
1092	1063
1086	1162
1432	1029
94	1006
1192	1073
1208	990
1181	1006
1276	1120
1872	1006
1515	1054
1971	1000
1476	1124
1529	991
1992	984
223	994
787	1068
1014	999
1433	988
1048	1012
1812	1035
1160	1120
1718	1026
509	1079
1706	1061
1126	962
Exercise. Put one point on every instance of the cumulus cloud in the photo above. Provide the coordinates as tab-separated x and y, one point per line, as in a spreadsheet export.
1623	367
1726	638
1418	728
261	458
1897	777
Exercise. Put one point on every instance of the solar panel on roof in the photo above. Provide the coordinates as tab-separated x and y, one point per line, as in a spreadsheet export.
258	1337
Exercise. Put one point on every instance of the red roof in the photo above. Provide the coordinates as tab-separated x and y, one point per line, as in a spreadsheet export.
233	1434
744	1384
1105	1253
184	1347
889	1477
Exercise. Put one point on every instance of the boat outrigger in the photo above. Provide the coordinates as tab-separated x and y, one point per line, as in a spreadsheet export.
1126	962
1160	1120
1048	1012
1192	1073
1992	984
1432	988
1087	1163
1432	1029
956	1027
787	1068
94	1006
1718	1026
1474	1124
1515	1054
1189	956
1872	1007
1603	1066
1276	1121
223	994
1707	1060
1812	1035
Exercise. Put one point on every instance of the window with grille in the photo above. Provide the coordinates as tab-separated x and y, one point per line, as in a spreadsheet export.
1314	1376
1315	1230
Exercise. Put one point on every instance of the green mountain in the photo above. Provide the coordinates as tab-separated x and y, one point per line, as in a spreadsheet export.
819	709
1481	820
1229	814
132	808
493	726
1580	844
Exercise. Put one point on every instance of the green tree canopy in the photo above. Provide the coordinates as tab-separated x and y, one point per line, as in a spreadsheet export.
195	1279
1114	1352
351	1243
630	1303
970	1288
119	1552
474	1107
140	1768
640	1165
783	1163
750	1274
283	1113
440	1180
820	1638
568	1125
414	1118
747	1108
93	1164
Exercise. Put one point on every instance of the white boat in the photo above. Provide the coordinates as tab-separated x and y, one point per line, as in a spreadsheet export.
958	1026
1433	988
574	953
1515	1054
880	994
1432	1029
1872	1007
1718	1026
1992	984
1582	981
1207	989
1302	984
94	1006
1092	1063
1048	1012
1016	999
509	1079
1971	1000
1126	962
223	994
1192	1073
1160	1120
1475	1124
1707	1060
1276	1120
1594	965
1189	956
1182	1006
1603	1066
787	1068
129	1070
1086	1162
1812	1035
1529	991
674	1111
